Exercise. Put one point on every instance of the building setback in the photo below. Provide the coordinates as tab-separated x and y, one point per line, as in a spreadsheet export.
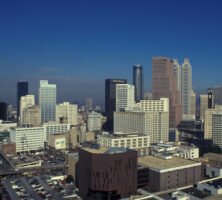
164	86
107	173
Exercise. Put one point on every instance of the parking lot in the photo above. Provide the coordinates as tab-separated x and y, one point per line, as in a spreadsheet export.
39	187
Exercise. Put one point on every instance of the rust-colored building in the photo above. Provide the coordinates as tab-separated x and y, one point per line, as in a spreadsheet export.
164	86
107	173
169	174
8	148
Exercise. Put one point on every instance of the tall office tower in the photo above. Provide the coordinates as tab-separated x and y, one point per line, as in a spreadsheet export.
31	116
208	120
110	96
124	96
217	95
193	104
177	74
25	102
152	123
89	104
22	90
203	105
3	111
210	98
217	129
164	86
186	87
94	122
47	101
67	111
138	82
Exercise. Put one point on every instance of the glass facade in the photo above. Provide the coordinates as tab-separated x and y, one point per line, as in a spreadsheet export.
47	101
138	82
22	90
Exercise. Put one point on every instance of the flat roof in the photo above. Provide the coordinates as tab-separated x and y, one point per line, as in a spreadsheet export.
107	150
196	193
162	165
123	135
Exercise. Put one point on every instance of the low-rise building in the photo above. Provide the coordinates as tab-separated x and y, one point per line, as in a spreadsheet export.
58	141
7	147
137	141
28	139
168	149
169	174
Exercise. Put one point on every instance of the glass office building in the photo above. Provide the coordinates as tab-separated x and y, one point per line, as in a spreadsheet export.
47	101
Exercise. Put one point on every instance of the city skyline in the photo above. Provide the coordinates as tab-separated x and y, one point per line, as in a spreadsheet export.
77	45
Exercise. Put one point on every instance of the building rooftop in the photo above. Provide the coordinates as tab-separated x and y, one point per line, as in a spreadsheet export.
162	165
123	135
196	193
107	150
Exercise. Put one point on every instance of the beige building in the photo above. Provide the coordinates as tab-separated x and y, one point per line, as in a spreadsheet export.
203	105
193	104
208	121
57	141
67	111
25	102
32	116
153	124
86	137
71	161
73	138
161	105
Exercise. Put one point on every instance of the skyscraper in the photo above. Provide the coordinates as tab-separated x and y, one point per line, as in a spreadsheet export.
89	104
3	111
25	102
47	101
124	96
138	82
217	129
177	74
186	88
164	85
22	90
110	96
217	95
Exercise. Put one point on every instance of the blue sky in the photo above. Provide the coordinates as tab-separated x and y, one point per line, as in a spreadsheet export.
77	44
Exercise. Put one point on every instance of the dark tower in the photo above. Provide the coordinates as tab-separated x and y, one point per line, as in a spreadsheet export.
3	111
22	90
110	98
210	98
138	82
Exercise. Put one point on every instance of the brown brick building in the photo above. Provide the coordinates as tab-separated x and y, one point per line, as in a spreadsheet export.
170	174
164	86
107	173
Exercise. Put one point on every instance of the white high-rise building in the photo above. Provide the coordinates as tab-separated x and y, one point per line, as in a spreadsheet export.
25	102
152	123
177	74
193	104
94	122
124	96
67	111
32	116
183	76
186	88
47	101
28	139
